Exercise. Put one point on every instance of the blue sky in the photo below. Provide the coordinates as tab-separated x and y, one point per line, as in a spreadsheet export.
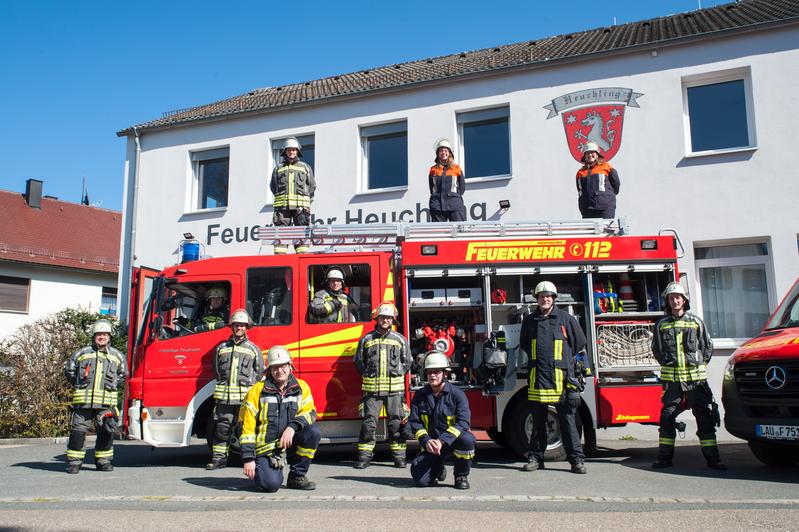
75	73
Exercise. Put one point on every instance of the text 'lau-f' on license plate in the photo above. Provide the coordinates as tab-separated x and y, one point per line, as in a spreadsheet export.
778	432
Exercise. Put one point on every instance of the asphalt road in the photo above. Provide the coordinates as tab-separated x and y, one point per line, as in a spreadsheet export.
169	488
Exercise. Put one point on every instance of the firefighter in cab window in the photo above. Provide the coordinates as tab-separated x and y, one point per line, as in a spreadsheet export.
554	343
332	304
95	372
447	185
683	347
383	359
238	364
597	185
440	419
213	312
279	427
293	186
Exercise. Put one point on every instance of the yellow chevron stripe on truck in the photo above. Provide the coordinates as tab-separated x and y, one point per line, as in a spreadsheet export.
335	344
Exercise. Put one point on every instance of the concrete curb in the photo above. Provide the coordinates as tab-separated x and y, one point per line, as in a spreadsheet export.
57	440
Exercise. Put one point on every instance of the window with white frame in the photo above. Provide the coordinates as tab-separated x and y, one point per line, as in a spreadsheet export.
308	144
734	281
485	142
718	111
108	300
14	293
385	156
211	175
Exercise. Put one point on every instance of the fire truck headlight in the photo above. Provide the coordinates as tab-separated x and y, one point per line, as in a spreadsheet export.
649	244
430	250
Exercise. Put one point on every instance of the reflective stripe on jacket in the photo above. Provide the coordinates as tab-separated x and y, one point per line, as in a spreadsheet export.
447	185
96	375
266	413
683	347
444	417
293	185
383	359
323	310
551	343
237	367
597	187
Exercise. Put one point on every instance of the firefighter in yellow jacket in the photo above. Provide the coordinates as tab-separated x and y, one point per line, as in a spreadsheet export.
96	371
293	186
238	364
682	346
279	427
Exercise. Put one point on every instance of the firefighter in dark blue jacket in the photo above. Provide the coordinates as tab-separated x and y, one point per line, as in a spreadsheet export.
552	339
440	420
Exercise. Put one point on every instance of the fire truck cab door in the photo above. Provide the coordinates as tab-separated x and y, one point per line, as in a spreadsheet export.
330	330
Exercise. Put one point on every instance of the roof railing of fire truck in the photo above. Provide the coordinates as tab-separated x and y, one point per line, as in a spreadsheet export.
387	235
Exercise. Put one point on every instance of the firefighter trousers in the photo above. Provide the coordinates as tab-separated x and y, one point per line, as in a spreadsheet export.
427	467
677	397
299	456
372	404
567	417
458	215
225	419
81	421
283	217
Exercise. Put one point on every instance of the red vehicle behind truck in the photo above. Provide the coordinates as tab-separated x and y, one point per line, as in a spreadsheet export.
760	392
460	288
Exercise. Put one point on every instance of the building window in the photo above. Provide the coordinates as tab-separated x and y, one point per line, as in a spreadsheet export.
269	295
108	301
308	155
211	178
14	294
735	281
719	112
485	142
385	156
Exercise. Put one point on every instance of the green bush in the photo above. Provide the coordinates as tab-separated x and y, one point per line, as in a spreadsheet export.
34	394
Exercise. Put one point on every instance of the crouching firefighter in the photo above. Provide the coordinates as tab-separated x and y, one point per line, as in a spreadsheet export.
682	347
440	420
552	338
95	372
278	427
293	186
383	359
238	364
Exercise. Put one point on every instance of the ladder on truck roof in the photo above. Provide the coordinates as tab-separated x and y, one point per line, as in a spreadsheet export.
388	235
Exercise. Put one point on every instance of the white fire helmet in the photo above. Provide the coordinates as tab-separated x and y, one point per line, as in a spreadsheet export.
241	316
546	288
277	356
102	326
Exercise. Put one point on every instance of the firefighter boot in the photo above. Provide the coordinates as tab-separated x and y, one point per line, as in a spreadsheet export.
104	466
216	463
665	455
462	483
579	468
73	468
299	482
364	459
399	460
711	452
533	465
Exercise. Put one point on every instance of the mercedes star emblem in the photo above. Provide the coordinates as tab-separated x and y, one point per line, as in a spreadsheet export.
775	377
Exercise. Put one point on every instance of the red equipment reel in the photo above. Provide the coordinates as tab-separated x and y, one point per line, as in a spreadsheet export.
499	296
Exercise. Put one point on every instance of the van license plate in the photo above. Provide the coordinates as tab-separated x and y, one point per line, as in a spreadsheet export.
778	432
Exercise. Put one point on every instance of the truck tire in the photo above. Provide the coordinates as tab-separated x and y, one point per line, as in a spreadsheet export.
497	437
519	424
774	454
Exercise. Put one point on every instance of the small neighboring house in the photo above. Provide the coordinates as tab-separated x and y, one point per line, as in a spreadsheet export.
54	255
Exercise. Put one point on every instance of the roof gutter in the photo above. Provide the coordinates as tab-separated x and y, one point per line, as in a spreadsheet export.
546	63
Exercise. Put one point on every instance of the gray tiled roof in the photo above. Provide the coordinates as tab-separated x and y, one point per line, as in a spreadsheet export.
743	15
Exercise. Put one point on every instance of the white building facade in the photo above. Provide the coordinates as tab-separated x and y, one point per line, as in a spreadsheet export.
698	126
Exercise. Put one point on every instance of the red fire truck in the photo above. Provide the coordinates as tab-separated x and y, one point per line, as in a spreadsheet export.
461	288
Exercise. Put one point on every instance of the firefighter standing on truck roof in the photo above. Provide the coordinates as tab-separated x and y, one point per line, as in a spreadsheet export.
440	420
333	304
383	359
238	364
95	372
682	346
447	185
552	339
597	185
293	186
278	426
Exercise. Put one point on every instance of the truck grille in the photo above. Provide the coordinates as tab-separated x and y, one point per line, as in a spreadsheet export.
750	379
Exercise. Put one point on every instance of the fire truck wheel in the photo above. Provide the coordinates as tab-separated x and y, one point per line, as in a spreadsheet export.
497	437
519	425
774	454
